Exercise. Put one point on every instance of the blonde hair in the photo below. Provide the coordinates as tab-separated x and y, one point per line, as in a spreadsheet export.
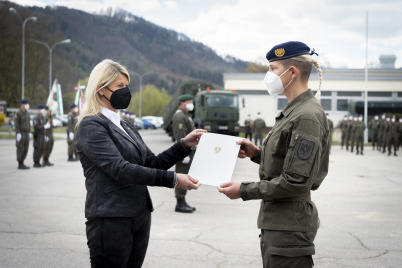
101	76
305	64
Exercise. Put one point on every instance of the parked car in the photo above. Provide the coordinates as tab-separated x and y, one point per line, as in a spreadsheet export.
57	122
155	121
63	118
147	124
138	123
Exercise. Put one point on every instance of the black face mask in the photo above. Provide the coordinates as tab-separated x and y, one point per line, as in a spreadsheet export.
120	99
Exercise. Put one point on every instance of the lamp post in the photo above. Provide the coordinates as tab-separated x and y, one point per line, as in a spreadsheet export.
24	22
140	77
66	41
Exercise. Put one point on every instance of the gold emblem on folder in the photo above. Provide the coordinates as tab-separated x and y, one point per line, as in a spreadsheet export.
217	149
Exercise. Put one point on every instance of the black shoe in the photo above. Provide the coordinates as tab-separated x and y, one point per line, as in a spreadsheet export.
37	165
187	205
22	166
389	153
395	154
47	163
361	152
357	152
351	151
181	206
71	159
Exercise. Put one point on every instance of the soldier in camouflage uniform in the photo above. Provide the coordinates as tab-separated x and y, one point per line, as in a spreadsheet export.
353	133
293	161
72	121
343	126
39	135
182	125
392	136
22	133
359	135
373	126
258	126
381	133
348	135
400	132
49	139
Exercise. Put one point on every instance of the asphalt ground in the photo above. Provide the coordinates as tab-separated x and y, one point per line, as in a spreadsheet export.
42	220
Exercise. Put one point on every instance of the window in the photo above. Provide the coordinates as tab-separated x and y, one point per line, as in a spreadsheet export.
349	94
379	94
326	104
342	105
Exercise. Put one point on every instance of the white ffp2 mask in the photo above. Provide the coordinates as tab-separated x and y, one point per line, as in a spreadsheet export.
274	84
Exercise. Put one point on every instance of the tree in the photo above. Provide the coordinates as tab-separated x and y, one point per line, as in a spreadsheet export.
254	67
154	101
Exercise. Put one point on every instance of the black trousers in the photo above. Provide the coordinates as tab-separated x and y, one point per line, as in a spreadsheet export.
118	242
287	249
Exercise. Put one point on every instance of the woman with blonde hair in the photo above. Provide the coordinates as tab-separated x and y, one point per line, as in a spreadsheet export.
118	167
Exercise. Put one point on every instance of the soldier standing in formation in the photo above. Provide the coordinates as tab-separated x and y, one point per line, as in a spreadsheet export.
392	135
22	133
331	131
39	126
373	126
248	123
343	127
183	125
400	132
72	121
258	125
353	126
381	135
49	139
348	131
293	161
359	135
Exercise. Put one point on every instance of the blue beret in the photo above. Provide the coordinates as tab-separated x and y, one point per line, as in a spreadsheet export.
47	107
41	106
185	97
288	50
73	106
24	101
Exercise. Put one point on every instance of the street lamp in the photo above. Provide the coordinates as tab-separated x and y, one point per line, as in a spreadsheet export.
66	41
11	9
141	76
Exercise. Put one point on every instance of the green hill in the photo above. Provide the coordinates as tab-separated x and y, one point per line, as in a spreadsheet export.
138	44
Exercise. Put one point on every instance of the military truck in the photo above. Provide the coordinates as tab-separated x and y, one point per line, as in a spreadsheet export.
214	110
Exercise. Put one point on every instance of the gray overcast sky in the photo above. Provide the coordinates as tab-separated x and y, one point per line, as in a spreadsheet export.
247	29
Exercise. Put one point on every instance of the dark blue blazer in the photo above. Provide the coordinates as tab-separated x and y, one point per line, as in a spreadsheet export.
118	168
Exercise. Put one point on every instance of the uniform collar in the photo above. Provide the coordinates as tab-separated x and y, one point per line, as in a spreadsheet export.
296	102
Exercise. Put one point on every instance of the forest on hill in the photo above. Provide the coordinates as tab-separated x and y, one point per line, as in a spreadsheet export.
139	45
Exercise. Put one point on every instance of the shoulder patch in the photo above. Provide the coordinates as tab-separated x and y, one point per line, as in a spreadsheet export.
305	149
180	125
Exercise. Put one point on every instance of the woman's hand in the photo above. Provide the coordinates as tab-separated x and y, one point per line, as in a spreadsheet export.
248	149
184	181
194	137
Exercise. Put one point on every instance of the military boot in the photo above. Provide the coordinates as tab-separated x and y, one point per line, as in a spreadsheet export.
71	158
37	165
187	205
389	153
21	165
47	163
395	154
181	206
357	152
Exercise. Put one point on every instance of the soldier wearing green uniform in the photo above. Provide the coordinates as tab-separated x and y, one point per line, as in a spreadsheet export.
348	135
353	133
182	125
49	140
331	131
39	135
359	135
381	133
72	121
293	161
400	132
392	136
258	126
373	126
22	133
343	126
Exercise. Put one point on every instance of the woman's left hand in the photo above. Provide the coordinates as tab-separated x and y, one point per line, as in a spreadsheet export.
194	137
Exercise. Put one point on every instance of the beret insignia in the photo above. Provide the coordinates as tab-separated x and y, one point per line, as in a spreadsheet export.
279	52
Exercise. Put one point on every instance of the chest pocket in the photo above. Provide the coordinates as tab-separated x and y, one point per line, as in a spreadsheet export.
301	154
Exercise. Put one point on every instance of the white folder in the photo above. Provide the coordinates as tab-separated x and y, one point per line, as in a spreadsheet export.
215	159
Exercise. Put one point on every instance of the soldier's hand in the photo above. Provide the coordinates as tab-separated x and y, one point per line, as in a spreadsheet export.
230	189
186	182
194	137
30	136
247	149
46	126
71	136
18	137
46	139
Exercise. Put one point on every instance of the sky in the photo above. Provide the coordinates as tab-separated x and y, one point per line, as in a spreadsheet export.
248	29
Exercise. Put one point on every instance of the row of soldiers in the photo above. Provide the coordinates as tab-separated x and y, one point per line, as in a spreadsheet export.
43	139
255	126
386	133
